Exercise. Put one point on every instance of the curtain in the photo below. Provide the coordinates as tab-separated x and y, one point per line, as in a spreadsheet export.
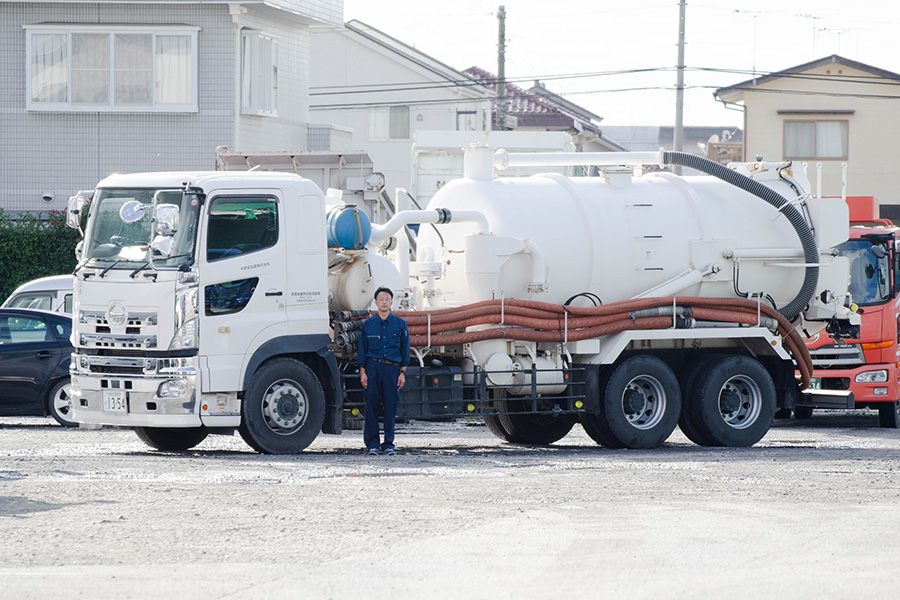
799	139
831	139
247	71
134	68
399	122
49	67
264	75
173	69
379	122
90	68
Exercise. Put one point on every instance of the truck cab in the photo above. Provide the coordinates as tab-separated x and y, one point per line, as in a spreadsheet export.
861	371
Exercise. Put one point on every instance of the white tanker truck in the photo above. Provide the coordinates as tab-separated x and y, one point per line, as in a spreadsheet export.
631	302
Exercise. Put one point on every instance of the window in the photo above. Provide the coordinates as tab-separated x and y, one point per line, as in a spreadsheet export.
467	120
63	331
816	139
259	74
22	330
389	123
116	69
229	297
241	225
870	271
35	301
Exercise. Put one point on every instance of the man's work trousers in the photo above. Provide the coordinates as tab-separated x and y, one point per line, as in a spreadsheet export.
382	397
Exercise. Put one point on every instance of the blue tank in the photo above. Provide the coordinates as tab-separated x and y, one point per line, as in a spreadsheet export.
348	227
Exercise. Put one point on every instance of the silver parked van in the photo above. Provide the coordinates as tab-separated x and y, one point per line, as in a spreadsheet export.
47	293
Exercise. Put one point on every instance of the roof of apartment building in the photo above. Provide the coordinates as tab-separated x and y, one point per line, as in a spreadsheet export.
538	107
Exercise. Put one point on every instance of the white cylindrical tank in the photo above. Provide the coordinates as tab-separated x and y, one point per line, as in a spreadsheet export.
353	283
615	236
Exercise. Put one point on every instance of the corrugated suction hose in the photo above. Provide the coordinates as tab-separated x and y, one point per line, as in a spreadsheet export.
807	240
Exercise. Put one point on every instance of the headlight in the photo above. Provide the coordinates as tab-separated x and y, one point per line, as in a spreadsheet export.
873	376
186	336
173	388
187	311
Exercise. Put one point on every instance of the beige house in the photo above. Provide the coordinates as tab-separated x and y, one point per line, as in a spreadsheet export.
832	111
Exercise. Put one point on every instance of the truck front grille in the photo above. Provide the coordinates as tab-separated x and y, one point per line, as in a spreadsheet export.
138	332
838	357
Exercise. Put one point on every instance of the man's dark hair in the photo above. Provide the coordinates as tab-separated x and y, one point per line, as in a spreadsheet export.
383	289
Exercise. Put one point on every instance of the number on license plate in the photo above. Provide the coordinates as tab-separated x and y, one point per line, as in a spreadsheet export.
115	401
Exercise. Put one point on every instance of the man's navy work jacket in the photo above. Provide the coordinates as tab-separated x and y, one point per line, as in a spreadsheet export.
384	338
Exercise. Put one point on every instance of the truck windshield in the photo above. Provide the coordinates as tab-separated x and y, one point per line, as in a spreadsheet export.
113	242
870	281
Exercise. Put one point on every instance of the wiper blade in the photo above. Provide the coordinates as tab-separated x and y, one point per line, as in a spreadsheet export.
139	269
106	270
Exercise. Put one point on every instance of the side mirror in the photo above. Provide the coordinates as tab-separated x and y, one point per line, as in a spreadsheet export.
75	207
166	218
132	211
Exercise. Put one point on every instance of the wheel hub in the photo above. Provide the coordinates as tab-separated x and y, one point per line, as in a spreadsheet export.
740	402
731	401
633	402
284	407
644	402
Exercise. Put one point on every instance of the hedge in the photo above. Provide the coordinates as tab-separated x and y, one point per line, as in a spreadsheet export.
34	245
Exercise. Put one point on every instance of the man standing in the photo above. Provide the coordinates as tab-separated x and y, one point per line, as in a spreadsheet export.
383	358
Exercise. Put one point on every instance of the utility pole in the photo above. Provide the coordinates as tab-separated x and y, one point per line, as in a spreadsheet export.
500	122
678	142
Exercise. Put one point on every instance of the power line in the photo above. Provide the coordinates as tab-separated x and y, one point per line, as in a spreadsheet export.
467	83
666	88
414	85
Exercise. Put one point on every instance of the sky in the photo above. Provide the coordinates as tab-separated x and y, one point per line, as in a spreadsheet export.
617	59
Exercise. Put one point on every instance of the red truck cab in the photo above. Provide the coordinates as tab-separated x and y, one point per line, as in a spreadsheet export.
863	371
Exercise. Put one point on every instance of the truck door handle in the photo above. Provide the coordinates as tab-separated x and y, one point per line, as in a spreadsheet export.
273	293
43	354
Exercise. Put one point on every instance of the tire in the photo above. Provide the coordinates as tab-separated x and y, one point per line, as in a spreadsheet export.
171	439
59	403
592	429
803	412
889	415
735	402
496	427
640	406
541	429
687	421
283	408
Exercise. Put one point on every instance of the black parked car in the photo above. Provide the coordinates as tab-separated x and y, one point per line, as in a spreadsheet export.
34	364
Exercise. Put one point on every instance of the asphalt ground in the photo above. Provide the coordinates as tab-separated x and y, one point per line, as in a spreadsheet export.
809	512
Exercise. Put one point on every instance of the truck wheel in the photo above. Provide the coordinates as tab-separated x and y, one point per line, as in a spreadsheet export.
640	405
803	412
735	402
283	408
171	439
589	424
889	415
496	427
539	429
687	421
59	403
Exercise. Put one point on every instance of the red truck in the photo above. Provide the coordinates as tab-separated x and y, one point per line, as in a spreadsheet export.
860	372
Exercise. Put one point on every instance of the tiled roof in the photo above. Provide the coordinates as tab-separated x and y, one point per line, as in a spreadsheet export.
520	102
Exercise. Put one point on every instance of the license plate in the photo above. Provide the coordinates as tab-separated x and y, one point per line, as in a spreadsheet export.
815	383
115	401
